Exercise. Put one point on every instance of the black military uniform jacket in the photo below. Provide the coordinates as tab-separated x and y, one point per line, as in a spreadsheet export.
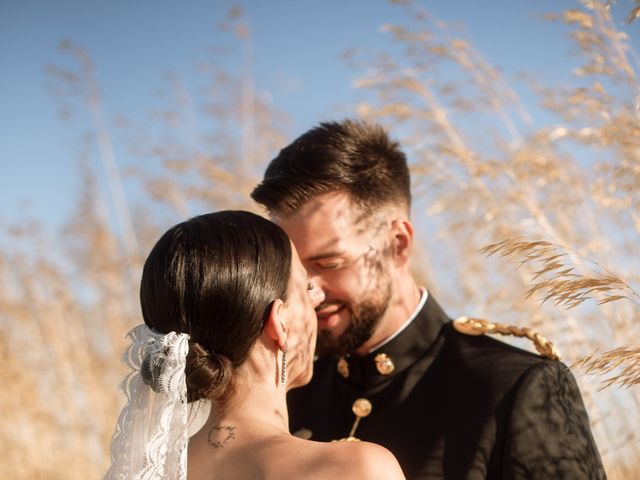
455	407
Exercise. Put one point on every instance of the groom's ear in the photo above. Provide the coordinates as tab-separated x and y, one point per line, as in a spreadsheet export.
402	241
275	326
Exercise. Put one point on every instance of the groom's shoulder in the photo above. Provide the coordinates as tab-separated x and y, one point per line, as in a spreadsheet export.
485	363
485	353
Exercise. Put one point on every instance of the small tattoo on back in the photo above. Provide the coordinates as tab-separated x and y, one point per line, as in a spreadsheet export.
226	434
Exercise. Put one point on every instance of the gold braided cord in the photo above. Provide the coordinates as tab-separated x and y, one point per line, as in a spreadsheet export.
477	326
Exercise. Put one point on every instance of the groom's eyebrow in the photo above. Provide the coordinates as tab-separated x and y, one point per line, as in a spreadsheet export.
326	255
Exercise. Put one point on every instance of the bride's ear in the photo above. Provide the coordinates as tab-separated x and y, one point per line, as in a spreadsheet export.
275	326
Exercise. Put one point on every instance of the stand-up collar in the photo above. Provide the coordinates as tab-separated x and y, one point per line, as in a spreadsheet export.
397	355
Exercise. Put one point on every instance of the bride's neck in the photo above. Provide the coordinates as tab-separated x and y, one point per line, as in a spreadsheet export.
253	416
259	401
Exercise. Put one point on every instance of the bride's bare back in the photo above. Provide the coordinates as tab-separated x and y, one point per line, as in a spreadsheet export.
224	452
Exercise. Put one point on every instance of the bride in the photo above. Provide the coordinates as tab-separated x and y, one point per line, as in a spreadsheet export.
229	321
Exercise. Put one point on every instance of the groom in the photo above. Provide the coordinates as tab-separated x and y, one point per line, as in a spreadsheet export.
392	369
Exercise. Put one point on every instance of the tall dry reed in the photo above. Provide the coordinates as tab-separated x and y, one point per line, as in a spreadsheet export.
510	213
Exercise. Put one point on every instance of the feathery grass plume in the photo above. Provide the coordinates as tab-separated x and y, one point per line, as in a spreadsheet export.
555	273
634	14
620	366
82	86
211	141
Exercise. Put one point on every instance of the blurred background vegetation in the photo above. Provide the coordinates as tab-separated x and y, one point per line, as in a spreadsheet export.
518	221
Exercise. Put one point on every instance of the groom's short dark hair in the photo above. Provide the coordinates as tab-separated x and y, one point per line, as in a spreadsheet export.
350	156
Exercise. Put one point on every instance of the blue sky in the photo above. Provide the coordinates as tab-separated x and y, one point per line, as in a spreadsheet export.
297	49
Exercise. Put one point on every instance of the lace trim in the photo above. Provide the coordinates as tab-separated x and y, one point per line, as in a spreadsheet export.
150	440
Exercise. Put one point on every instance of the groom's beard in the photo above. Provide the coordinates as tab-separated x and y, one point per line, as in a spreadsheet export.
364	319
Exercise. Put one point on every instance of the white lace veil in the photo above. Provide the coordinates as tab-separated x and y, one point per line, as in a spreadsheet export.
150	440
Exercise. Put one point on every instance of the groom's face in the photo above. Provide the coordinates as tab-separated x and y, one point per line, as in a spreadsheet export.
301	323
345	256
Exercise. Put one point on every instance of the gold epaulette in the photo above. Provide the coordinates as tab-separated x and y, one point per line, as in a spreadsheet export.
477	326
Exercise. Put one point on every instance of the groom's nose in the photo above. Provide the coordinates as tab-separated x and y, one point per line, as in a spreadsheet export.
316	294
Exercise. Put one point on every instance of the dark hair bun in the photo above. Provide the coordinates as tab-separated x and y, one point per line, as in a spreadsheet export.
209	374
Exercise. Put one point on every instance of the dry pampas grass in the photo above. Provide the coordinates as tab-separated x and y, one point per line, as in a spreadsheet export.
518	221
620	366
555	275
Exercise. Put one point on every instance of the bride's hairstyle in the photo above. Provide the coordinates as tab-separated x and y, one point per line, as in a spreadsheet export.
215	278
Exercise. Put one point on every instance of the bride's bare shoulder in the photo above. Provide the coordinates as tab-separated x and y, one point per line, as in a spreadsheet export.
347	460
290	457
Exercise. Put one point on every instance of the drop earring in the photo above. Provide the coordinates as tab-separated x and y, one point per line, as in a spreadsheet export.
283	370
